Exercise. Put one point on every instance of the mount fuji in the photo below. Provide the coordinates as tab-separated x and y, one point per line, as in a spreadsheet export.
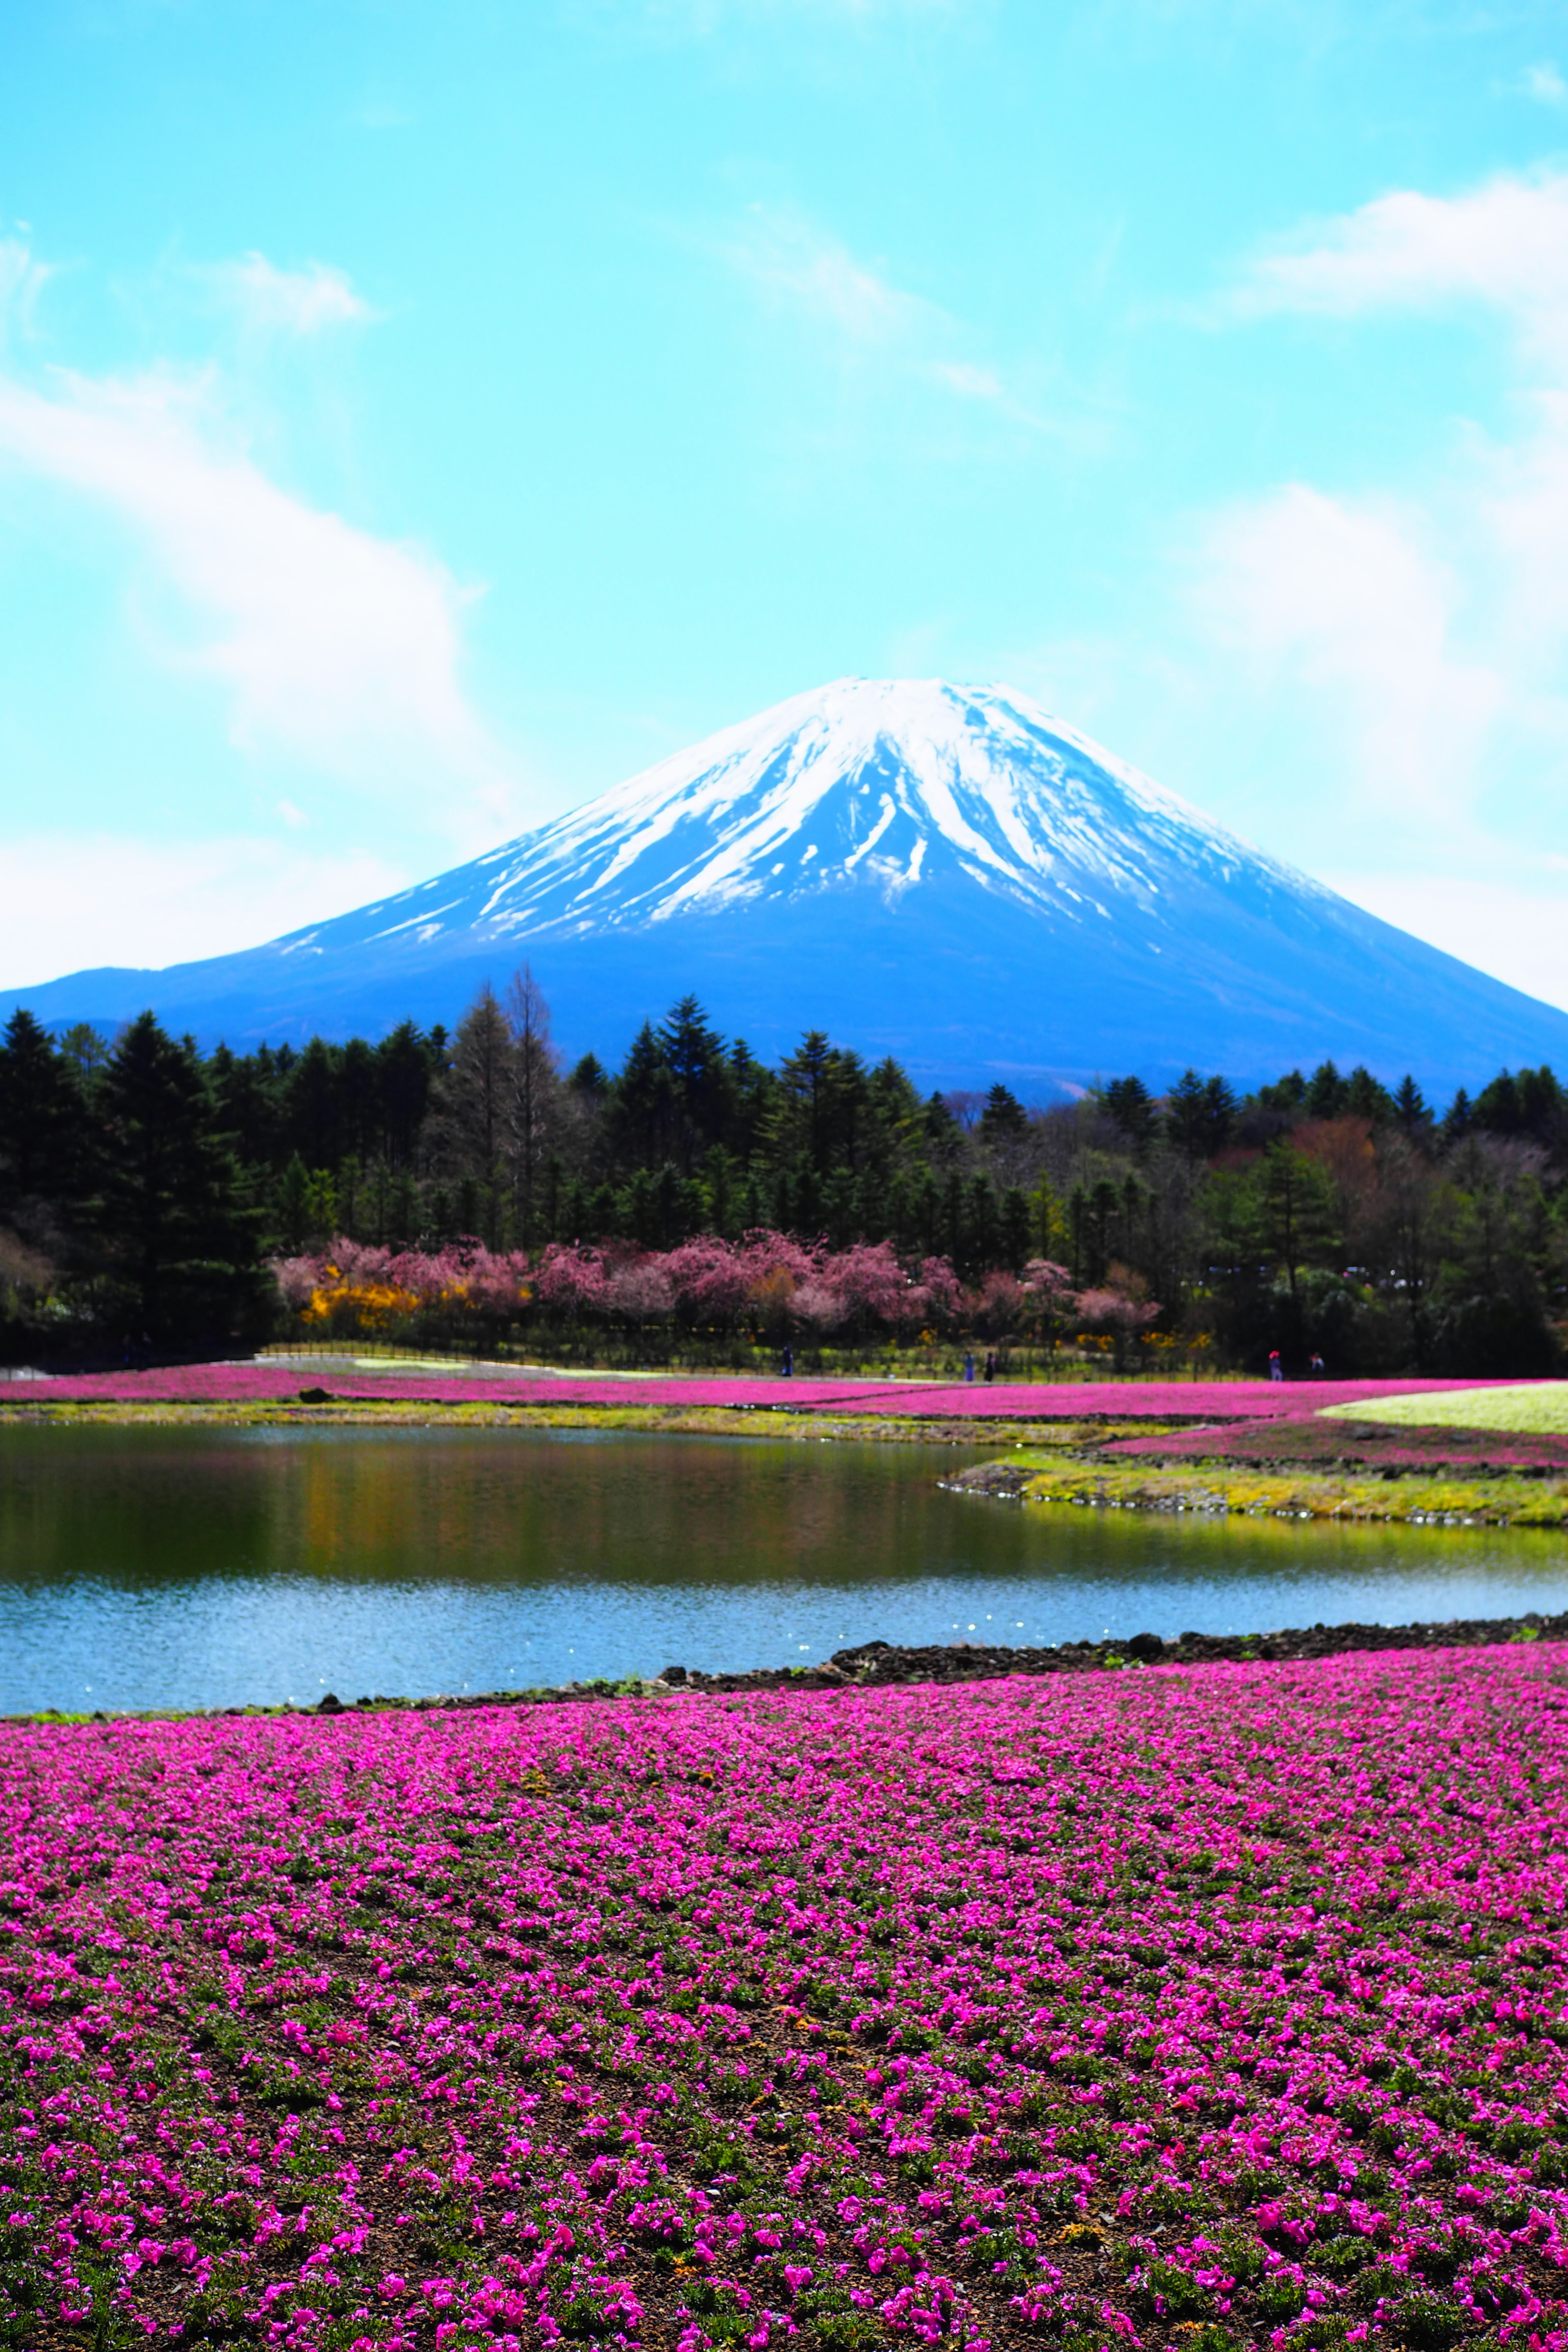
939	872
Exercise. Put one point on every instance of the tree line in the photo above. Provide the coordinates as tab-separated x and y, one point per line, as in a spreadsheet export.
146	1187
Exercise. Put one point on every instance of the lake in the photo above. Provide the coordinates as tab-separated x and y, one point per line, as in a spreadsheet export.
167	1568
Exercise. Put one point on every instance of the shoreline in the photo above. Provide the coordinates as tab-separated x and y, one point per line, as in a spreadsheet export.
1439	1479
783	1422
1372	1489
882	1665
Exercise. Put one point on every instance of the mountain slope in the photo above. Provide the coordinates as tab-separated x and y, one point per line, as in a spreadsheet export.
939	872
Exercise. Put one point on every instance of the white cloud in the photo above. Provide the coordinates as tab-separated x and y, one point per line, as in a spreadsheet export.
74	900
1504	247
335	647
1511	930
1417	645
270	300
1347	595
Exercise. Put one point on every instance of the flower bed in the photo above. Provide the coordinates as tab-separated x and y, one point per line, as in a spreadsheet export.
1330	1443
1178	2006
275	1380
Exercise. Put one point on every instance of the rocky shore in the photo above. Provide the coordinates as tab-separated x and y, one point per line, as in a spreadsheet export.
875	1664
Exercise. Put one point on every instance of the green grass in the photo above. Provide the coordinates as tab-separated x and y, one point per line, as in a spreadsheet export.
696	1421
1530	1408
1235	1490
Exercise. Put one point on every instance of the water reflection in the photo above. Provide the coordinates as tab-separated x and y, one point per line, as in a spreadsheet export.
181	1567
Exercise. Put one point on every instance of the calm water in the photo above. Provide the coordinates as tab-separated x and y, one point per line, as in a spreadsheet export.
162	1567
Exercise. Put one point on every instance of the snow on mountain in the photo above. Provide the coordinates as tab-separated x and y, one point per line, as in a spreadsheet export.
942	872
890	785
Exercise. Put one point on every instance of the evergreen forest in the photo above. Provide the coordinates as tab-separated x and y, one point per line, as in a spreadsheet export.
147	1190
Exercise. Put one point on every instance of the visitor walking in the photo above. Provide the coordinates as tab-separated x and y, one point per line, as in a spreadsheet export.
1276	1368
990	1364
969	1368
786	1363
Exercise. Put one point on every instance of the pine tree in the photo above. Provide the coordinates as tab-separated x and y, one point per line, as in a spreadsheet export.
407	1068
590	1079
1003	1119
1367	1098
1132	1106
943	1136
42	1132
644	1106
1017	1223
1200	1115
1294	1206
694	1054
1410	1107
183	1251
1328	1095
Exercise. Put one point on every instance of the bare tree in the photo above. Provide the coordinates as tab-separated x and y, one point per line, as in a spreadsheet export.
472	1108
532	1098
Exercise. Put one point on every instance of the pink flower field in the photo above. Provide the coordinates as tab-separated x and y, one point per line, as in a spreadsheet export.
1323	1445
1200	2007
268	1380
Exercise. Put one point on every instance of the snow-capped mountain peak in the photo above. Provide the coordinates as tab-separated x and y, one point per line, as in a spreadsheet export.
940	872
875	782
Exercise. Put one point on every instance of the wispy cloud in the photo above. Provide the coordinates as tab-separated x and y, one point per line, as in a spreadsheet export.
971	382
786	257
338	650
22	278
1544	83
335	646
863	317
284	301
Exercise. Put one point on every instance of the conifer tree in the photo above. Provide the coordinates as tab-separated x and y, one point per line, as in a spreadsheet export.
43	1137
182	1249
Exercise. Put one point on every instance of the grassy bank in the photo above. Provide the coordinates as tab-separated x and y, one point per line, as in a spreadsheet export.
1419	1497
696	1421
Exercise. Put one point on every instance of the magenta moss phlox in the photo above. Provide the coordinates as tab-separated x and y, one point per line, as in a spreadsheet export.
1227	1998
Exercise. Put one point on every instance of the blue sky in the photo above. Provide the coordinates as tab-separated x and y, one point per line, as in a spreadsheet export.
416	416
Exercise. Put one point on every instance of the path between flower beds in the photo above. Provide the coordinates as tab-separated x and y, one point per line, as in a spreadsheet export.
1206	2006
269	1378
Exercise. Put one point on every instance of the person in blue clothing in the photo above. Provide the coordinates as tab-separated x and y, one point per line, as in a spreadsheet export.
786	1363
969	1368
1276	1368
